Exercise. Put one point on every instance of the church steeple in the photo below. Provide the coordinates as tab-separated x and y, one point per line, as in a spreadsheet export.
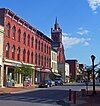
56	25
56	33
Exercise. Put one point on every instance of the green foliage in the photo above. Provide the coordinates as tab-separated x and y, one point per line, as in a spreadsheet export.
24	70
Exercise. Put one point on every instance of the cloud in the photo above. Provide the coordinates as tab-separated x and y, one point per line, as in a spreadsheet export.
94	4
83	31
71	41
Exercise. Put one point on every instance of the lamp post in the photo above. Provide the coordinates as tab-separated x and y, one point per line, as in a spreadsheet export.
93	58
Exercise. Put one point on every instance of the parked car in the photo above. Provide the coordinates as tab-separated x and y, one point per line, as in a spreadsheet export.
58	81
46	83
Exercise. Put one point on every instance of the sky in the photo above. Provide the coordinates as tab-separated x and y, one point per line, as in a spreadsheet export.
78	19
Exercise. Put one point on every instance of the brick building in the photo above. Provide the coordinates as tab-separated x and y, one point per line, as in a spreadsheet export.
73	68
22	43
56	36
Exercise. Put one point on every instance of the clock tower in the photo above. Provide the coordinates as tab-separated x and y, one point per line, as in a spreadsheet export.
56	36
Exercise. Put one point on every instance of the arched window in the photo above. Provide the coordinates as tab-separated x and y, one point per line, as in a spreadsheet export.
42	60
39	45
24	55
28	56
24	38
13	52
39	60
36	58
7	50
36	44
45	60
49	49
32	57
32	42
18	53
13	32
8	29
42	47
19	35
45	48
28	40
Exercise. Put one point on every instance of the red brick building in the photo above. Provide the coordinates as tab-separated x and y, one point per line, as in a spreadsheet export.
73	68
22	43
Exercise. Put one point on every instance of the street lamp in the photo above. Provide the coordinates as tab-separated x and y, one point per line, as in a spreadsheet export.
93	58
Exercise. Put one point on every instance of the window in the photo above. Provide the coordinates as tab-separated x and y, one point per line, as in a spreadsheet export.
24	38
36	44
39	45
42	60
8	30
24	55
7	50
13	52
45	60
13	32
32	57
32	42
45	48
19	35
28	42
39	60
49	50
36	58
18	53
28	56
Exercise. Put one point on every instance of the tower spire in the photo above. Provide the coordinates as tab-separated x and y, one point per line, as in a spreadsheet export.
56	26
56	21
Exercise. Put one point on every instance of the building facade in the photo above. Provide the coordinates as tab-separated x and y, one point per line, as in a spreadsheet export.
56	36
67	75
22	43
54	61
73	69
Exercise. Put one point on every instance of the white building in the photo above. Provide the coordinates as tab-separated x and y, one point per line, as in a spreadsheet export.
67	72
54	61
1	55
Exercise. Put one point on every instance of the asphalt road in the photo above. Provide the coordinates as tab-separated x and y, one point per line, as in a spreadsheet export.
53	96
40	97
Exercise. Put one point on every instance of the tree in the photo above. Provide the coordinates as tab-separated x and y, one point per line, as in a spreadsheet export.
89	70
25	71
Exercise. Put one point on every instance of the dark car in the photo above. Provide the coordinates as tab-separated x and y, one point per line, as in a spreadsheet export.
45	83
58	81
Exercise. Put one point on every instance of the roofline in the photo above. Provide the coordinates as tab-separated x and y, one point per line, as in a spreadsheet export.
26	23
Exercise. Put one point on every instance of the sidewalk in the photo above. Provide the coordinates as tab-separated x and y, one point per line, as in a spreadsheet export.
88	100
12	90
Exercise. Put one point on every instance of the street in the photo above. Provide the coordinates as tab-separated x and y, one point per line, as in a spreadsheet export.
53	96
